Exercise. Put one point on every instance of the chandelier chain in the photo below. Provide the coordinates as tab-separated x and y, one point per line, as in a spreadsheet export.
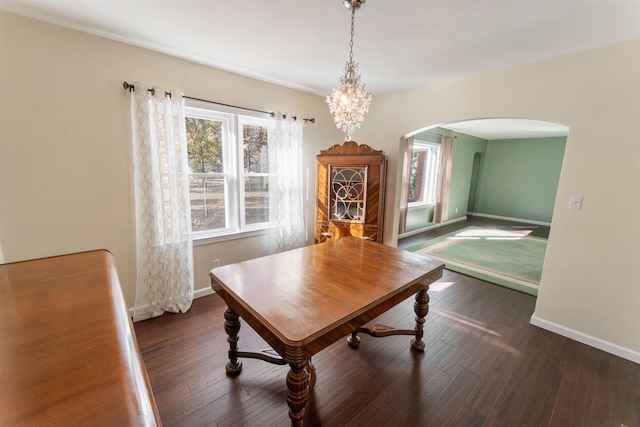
353	15
349	101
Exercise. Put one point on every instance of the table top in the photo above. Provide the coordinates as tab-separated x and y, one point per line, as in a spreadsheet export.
302	294
67	352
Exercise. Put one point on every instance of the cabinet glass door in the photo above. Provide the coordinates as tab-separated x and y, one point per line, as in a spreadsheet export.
347	195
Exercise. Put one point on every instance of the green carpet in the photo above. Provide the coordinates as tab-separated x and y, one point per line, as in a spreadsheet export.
507	257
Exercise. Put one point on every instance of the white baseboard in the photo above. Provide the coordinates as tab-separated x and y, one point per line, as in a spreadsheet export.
430	227
198	293
507	218
614	349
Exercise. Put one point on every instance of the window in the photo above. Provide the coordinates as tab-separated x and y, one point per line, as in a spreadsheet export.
229	172
424	173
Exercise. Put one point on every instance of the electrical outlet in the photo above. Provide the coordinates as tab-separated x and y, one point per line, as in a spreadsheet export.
216	263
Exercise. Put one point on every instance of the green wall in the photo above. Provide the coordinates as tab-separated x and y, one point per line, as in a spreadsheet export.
519	178
419	217
464	149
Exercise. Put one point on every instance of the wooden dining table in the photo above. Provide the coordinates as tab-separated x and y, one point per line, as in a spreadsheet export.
303	300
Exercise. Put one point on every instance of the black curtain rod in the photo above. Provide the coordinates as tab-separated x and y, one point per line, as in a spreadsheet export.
131	88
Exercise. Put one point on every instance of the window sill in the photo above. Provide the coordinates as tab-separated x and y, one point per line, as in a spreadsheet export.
217	238
420	205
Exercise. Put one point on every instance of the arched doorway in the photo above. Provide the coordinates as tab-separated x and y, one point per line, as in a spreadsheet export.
504	179
508	149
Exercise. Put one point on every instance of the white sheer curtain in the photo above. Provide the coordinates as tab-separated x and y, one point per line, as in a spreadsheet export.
163	215
286	190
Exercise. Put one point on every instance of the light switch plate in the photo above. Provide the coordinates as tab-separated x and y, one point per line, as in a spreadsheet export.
575	202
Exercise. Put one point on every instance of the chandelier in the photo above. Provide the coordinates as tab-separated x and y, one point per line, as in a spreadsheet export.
349	101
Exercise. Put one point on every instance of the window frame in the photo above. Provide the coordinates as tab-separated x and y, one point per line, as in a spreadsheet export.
233	171
430	178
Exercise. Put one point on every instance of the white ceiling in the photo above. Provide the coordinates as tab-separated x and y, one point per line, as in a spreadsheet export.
507	128
303	44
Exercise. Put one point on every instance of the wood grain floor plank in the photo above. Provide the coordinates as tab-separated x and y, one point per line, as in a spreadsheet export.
484	364
452	398
509	404
571	399
540	403
468	417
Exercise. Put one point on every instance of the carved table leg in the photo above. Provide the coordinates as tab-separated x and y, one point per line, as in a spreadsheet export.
299	378
311	372
232	327
421	308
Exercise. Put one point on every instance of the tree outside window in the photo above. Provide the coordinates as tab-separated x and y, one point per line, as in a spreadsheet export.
424	173
229	172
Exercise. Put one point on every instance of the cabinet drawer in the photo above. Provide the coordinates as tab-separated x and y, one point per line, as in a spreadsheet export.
336	230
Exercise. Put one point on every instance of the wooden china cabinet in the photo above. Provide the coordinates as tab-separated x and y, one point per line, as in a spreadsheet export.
350	200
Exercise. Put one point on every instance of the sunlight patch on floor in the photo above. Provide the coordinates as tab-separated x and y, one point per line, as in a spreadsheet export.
478	329
490	234
467	321
440	286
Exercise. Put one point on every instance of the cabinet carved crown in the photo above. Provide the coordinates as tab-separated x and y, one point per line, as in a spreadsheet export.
350	199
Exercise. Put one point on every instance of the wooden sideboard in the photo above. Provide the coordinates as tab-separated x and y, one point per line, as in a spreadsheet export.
68	354
351	186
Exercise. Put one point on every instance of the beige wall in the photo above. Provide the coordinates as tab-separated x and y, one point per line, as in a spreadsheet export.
65	142
66	168
590	288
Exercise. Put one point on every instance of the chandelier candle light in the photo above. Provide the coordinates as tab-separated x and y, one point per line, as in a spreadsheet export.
349	101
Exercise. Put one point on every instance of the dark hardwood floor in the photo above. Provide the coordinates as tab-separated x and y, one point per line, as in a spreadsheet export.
475	221
484	365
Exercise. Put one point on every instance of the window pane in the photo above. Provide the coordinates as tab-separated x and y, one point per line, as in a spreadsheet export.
207	203
256	199
204	145
255	148
431	174
416	180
